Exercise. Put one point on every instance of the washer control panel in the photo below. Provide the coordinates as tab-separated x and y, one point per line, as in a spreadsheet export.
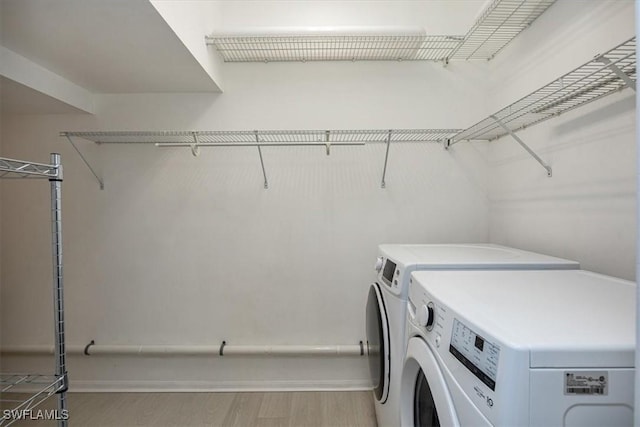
477	354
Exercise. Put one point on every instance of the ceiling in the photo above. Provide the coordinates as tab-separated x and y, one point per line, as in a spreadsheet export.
112	46
139	46
20	99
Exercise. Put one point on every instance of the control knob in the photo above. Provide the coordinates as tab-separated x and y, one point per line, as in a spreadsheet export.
379	263
425	316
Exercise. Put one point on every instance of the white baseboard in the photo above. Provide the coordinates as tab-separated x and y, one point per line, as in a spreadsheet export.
125	386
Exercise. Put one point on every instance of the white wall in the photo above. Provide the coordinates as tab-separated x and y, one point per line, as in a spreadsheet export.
184	250
586	211
438	17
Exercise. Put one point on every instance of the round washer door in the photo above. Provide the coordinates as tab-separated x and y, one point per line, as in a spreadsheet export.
378	343
425	398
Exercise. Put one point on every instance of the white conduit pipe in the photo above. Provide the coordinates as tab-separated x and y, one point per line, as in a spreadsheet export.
192	350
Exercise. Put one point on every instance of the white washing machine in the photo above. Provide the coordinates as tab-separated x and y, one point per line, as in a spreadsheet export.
519	348
386	303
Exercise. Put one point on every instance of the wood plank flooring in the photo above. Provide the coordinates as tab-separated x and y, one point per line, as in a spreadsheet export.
312	409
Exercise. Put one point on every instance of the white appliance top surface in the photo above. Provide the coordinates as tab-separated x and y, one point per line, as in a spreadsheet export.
563	317
471	256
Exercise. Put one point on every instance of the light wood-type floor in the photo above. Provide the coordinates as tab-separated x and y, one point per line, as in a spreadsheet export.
216	409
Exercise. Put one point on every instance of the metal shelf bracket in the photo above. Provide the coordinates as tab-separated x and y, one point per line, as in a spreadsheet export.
628	81
523	145
84	159
386	158
195	147
327	141
264	172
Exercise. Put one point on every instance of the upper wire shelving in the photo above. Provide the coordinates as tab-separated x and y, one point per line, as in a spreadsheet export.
585	84
605	74
499	23
303	48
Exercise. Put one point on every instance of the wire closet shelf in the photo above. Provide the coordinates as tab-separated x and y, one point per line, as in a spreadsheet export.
265	137
499	23
37	387
194	140
602	76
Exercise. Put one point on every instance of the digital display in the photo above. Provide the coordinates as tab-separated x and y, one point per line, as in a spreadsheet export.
478	355
389	269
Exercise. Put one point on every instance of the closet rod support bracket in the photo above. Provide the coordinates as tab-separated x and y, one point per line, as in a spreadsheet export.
83	159
523	145
195	147
383	184
628	81
264	172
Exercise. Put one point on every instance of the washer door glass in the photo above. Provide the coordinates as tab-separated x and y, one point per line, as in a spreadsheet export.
425	412
424	396
378	343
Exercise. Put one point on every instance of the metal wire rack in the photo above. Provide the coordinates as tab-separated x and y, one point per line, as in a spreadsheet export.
593	80
273	137
194	140
10	168
303	48
40	387
500	23
604	75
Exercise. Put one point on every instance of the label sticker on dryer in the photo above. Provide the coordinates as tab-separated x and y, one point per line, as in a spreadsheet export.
586	382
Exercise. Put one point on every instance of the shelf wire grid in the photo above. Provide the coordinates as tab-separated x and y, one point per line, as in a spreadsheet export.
265	136
303	48
38	387
10	168
585	84
500	23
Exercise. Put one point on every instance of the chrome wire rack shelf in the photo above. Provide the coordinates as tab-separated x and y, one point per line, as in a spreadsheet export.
37	387
499	23
10	168
194	140
602	76
40	387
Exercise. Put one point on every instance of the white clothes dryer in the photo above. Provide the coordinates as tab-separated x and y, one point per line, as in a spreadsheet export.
386	303
519	348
